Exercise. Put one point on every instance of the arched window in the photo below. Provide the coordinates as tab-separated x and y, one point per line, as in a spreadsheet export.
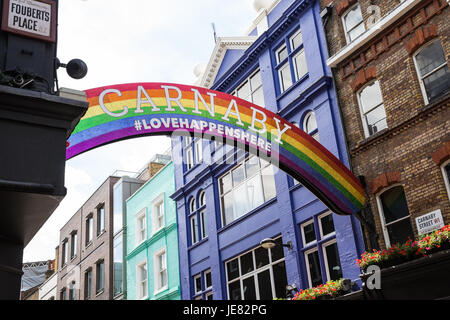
372	109
202	199
310	125
395	217
192	206
432	70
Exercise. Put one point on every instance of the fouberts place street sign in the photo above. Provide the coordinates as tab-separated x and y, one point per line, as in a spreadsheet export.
129	110
31	18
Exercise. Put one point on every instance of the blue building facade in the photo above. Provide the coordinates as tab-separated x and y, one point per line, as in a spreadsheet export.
228	201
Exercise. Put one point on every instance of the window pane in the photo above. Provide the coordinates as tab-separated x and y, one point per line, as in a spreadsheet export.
280	279
254	192
296	41
437	83
208	279
268	178
225	184
353	18
252	166
262	257
233	269
327	224
277	252
249	288
118	265
394	204
310	123
227	208
447	171
314	268
282	54
356	32
400	231
430	58
244	91
240	201
194	229
309	233
235	290
371	97
238	175
334	264
376	120
256	81
285	77
265	285
300	65
247	263
258	97
198	284
204	223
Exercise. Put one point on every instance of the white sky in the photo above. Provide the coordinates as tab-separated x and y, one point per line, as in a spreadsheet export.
122	42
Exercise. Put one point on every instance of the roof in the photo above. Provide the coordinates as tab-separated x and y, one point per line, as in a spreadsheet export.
222	46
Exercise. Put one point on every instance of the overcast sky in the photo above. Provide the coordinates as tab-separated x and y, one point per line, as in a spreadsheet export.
123	42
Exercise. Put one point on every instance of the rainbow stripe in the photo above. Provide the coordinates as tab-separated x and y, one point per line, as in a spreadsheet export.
298	153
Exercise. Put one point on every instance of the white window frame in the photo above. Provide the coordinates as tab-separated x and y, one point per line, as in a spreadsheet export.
203	226
139	281
209	294
194	231
361	109
158	271
252	90
305	122
196	289
307	264
319	219
142	214
192	205
189	157
421	77
302	226
384	225
206	283
325	257
446	177
299	31
198	150
157	202
254	273
347	32
296	67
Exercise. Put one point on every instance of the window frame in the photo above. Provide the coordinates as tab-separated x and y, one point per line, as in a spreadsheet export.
158	202
101	220
384	225
139	281
308	272
252	91
89	229
304	224
325	257
319	221
98	289
314	133
289	61
158	270
344	24
88	284
262	167
367	133
421	77
142	214
73	244
254	273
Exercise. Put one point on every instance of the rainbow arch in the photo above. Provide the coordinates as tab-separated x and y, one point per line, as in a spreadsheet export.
129	110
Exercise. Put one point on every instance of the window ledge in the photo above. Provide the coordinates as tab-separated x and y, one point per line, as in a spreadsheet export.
159	291
370	33
198	243
101	233
99	293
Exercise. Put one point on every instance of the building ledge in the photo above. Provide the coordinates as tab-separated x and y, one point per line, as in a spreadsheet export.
372	32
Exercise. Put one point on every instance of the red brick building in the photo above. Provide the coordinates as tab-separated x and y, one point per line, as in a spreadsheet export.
390	60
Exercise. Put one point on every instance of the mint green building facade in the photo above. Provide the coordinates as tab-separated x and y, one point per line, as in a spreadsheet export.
152	240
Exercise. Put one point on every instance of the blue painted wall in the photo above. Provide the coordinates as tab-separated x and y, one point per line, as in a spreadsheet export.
293	204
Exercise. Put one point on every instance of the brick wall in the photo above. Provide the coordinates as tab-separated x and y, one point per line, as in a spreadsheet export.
403	152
